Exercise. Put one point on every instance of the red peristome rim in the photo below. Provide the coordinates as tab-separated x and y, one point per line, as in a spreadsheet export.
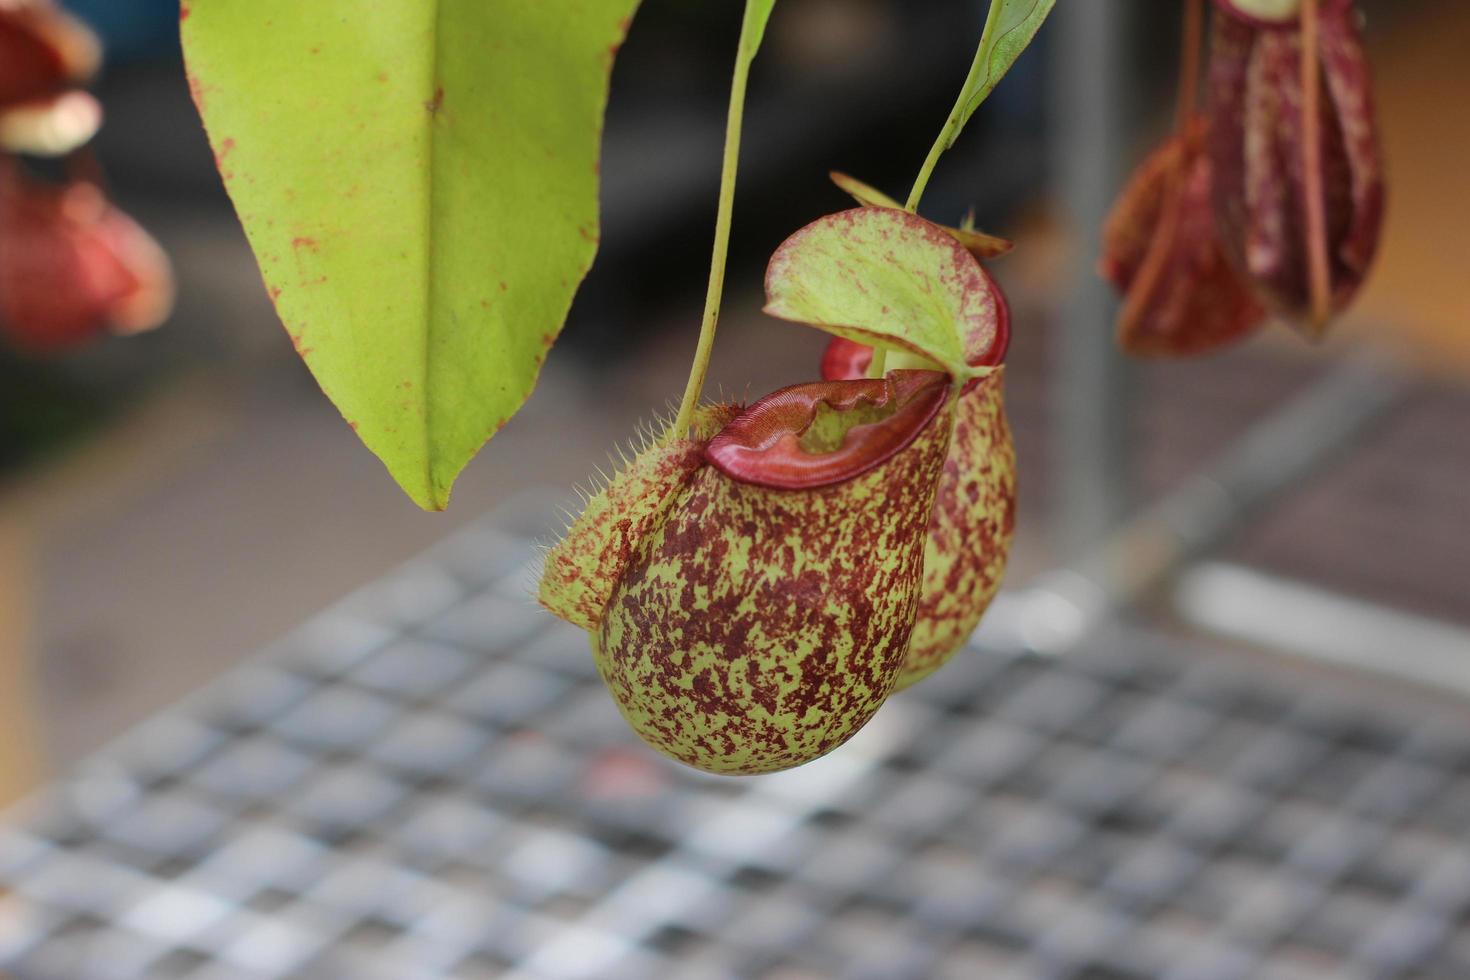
762	445
1001	345
845	360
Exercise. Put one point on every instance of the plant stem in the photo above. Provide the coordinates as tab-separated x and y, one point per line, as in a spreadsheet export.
942	142
956	119
700	368
879	365
1319	274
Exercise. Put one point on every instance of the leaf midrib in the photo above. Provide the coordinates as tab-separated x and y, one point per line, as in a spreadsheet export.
431	292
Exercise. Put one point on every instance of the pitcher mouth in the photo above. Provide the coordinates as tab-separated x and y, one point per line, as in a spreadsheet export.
826	432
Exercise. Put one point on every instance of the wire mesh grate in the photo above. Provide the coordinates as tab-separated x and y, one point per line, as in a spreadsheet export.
428	780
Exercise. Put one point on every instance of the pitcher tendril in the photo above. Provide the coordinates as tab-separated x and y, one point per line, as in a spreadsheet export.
750	32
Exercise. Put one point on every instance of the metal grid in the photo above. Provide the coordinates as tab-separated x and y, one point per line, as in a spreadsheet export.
429	780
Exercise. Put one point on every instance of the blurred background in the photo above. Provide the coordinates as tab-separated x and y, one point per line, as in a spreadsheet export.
171	503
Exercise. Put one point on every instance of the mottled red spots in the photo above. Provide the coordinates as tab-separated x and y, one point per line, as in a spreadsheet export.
744	626
302	241
184	12
504	287
352	425
928	268
845	359
973	518
583	569
437	102
757	629
275	293
969	533
588	232
611	53
197	90
982	246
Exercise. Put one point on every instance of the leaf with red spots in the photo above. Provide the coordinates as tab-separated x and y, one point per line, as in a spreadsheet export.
886	278
418	180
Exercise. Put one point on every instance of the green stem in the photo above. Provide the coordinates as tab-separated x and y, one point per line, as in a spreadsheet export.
700	368
879	366
956	120
951	131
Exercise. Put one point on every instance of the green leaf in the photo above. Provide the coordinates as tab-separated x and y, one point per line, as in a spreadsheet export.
885	278
1009	28
757	15
418	180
